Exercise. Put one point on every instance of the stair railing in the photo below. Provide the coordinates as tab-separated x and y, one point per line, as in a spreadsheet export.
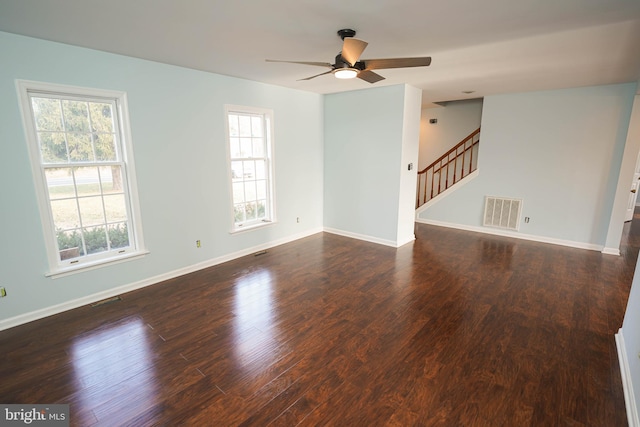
450	168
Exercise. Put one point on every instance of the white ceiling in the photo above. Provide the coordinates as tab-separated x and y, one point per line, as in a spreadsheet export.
489	46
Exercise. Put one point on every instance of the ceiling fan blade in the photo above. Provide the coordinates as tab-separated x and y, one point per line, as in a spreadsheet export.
378	64
319	64
352	49
369	76
317	75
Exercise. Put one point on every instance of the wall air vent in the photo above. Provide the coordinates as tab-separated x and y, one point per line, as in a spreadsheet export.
503	213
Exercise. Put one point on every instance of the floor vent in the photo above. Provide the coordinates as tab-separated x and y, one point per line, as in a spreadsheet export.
502	213
106	301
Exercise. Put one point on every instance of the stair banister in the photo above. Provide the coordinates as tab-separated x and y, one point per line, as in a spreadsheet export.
456	159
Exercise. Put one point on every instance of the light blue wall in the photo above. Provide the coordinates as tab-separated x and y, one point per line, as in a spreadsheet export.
177	123
560	151
363	161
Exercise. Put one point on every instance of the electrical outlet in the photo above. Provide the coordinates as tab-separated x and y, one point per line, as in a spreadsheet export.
298	219
526	219
198	243
3	292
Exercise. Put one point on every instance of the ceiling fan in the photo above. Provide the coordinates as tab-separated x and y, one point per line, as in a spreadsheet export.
349	65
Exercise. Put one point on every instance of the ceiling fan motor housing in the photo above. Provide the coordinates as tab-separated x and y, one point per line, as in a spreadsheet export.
342	63
346	33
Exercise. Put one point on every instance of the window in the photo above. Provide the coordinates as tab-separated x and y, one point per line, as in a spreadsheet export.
83	169
249	133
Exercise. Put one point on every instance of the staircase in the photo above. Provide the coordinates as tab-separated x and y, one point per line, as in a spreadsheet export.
449	169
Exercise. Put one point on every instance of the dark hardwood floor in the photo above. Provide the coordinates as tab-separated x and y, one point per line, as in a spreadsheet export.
455	329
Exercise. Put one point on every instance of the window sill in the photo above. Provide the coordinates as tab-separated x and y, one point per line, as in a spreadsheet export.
66	271
252	227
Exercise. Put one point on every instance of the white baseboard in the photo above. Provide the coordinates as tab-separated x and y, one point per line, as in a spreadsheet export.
611	251
69	305
505	233
405	241
367	238
627	385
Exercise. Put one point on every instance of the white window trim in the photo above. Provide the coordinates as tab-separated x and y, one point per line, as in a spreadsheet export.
56	267
230	108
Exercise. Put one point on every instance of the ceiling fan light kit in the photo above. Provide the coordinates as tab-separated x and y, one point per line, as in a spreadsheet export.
348	64
345	73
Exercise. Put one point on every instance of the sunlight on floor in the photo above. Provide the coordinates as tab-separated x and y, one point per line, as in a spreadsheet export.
113	361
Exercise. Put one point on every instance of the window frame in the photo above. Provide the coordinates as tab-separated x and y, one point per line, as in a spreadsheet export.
57	267
268	119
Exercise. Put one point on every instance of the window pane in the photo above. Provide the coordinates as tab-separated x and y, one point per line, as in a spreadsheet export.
236	171
70	241
111	177
258	147
118	236
76	116
65	214
60	183
101	117
251	210
238	192
115	208
261	189
69	253
80	148
262	211
234	129
250	190
235	147
87	181
52	147
47	114
249	170
245	147
95	238
256	126
245	125
91	211
238	213
105	146
261	172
